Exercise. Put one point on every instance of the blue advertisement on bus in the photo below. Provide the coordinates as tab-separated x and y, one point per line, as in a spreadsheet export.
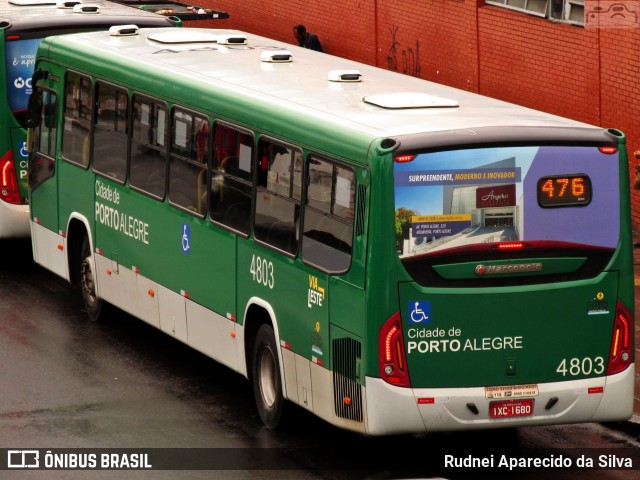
21	59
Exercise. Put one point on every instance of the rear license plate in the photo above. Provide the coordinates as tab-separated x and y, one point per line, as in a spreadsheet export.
511	408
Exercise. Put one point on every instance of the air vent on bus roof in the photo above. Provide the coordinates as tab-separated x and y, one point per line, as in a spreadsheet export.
67	3
345	76
232	40
31	3
80	8
405	100
276	56
123	30
183	36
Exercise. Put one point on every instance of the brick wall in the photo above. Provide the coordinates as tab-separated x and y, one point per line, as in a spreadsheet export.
345	29
586	74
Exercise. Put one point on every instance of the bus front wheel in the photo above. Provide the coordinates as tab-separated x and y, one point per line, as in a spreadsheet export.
267	382
92	303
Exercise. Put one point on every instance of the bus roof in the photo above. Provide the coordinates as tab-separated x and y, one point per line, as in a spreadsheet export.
26	16
195	66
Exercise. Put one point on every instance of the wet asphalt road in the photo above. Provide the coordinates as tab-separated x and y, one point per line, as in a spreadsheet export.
69	383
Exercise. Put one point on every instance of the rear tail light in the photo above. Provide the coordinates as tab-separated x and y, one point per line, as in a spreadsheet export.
511	245
404	158
8	180
608	149
393	361
621	354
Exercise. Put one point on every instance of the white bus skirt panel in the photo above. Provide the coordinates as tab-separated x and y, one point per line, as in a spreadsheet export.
397	410
14	221
617	403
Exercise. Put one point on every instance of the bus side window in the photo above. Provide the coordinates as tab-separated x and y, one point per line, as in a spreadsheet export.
328	216
188	161
77	119
110	132
42	161
231	178
278	195
147	167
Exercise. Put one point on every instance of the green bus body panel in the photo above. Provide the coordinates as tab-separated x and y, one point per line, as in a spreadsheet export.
145	237
508	336
298	295
44	203
348	307
75	193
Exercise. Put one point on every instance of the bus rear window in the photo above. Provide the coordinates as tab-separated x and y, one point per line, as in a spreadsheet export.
464	198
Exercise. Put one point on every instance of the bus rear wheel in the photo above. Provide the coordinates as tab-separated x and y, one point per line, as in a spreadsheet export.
267	382
92	303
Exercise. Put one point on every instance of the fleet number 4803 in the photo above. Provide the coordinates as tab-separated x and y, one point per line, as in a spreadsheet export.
262	271
581	366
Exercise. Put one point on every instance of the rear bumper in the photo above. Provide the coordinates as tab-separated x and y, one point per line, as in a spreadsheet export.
394	410
14	221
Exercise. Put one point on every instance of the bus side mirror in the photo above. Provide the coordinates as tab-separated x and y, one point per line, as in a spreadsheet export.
34	110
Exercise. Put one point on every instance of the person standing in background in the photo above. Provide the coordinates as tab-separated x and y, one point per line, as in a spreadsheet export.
306	39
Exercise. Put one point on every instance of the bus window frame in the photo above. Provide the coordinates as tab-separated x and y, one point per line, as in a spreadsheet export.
258	189
85	157
154	101
305	202
214	171
94	125
175	155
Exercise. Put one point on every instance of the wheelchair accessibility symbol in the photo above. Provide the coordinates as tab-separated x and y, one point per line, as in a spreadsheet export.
24	153
186	238
419	312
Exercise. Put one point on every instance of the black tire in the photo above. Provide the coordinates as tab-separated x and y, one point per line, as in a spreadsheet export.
267	382
92	303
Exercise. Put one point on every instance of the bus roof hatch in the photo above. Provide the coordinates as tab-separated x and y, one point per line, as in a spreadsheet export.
405	100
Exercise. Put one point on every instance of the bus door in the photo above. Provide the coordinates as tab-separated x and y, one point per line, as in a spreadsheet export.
43	188
334	247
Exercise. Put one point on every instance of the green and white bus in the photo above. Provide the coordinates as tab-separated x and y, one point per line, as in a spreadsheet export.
393	255
23	24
